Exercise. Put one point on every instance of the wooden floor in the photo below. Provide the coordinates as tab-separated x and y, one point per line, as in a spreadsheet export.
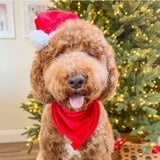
17	151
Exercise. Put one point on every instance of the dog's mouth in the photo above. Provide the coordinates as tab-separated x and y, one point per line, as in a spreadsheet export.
76	100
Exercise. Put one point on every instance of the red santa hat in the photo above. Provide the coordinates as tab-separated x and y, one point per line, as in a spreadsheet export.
46	24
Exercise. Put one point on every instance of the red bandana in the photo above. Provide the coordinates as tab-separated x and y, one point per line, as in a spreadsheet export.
77	127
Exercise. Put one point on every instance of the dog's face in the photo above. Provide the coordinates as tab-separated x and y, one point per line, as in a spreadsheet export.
77	67
76	78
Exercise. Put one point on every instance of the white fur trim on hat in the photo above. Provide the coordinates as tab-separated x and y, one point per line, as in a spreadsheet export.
39	39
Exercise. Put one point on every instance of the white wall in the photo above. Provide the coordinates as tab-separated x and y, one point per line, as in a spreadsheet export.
16	57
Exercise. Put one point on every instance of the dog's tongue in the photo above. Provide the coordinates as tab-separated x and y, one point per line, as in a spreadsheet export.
76	100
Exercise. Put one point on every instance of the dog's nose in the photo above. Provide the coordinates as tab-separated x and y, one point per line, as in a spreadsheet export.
77	81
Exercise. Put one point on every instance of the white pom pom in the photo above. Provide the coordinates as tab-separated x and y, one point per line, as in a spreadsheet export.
39	39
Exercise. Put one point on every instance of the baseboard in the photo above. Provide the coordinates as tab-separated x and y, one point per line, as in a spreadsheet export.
7	136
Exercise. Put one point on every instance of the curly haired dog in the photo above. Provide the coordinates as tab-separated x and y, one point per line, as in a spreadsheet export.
77	61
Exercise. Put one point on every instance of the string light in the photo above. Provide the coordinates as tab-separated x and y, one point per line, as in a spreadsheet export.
133	89
158	10
29	102
124	75
121	5
28	128
36	105
155	116
116	121
128	65
123	126
151	144
105	31
125	13
133	26
98	12
150	116
140	132
107	21
113	35
118	45
135	69
29	139
120	99
143	9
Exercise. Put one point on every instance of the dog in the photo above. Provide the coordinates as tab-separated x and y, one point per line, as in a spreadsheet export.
76	68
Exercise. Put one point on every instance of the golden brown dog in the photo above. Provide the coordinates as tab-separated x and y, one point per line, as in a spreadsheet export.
78	48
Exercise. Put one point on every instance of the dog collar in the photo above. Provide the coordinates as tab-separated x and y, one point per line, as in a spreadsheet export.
76	127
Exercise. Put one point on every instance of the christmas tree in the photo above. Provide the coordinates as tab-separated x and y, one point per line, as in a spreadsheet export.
132	28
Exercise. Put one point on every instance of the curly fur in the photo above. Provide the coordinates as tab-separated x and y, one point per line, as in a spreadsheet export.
78	47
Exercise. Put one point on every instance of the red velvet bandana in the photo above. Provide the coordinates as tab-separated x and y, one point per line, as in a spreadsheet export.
77	127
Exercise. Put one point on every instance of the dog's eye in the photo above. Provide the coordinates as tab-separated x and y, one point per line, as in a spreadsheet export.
59	54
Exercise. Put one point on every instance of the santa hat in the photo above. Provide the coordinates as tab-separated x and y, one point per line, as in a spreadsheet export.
46	24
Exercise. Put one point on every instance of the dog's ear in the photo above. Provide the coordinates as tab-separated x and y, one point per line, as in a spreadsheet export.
37	80
113	75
